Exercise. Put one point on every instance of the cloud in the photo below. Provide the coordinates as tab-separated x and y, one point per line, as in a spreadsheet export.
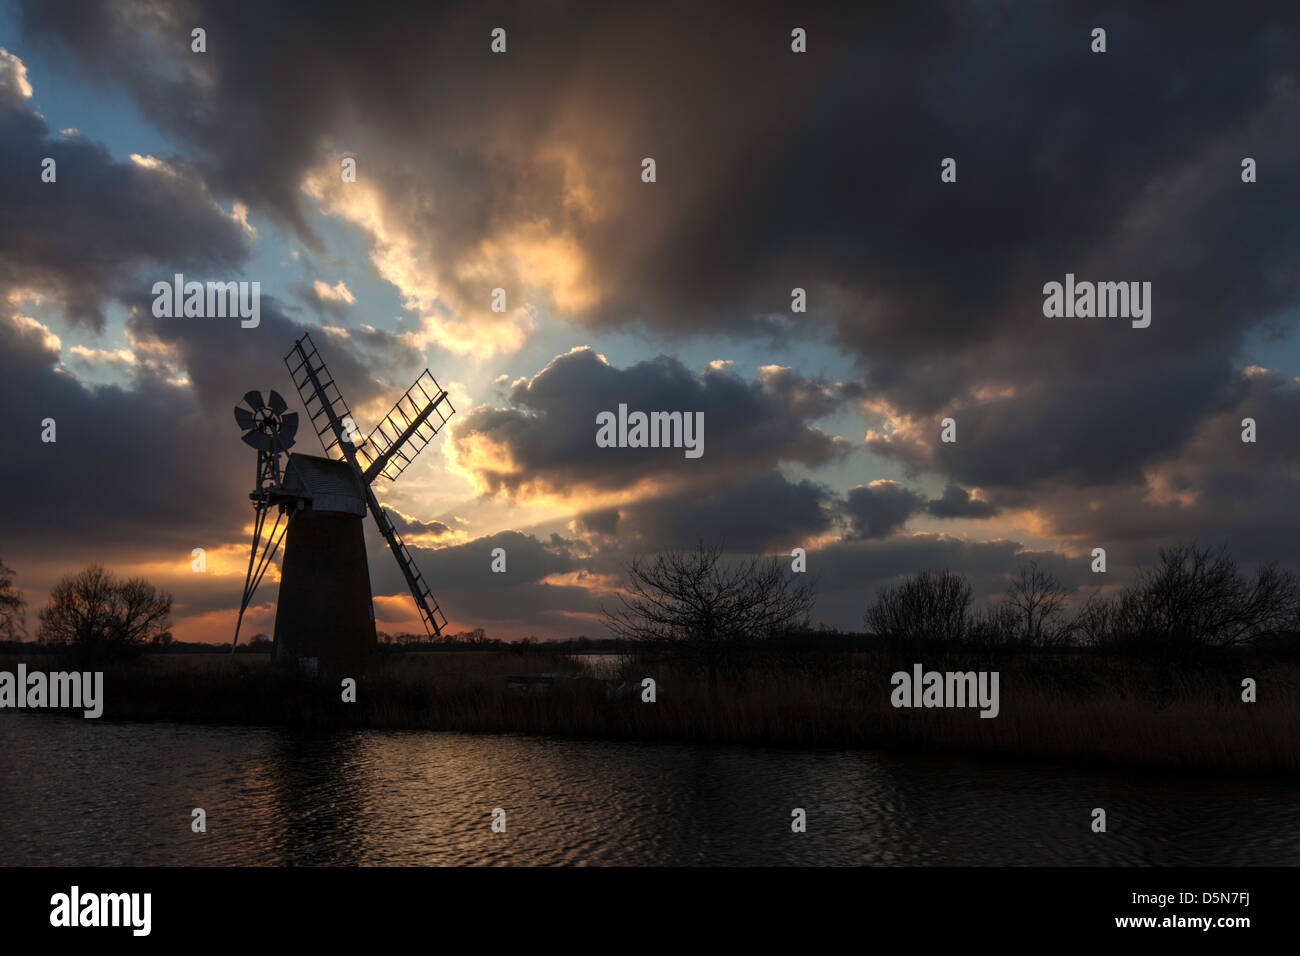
406	525
758	513
14	87
851	573
521	600
1215	488
335	293
544	442
880	509
143	446
161	216
1085	431
533	188
604	521
331	302
956	502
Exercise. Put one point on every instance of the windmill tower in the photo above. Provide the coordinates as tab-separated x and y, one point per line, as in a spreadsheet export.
325	618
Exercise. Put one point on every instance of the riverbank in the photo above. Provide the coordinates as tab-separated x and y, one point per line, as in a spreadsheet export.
1078	708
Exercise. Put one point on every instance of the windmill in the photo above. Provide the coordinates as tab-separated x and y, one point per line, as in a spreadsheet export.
325	616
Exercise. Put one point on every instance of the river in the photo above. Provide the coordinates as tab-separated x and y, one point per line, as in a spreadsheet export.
81	792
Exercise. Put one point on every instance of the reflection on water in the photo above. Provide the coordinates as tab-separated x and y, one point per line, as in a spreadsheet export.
95	793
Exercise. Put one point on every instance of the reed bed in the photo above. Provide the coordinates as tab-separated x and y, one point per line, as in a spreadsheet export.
1075	709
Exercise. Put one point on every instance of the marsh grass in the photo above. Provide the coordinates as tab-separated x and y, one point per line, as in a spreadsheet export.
1076	708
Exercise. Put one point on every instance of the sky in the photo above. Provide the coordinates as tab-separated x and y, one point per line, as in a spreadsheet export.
775	170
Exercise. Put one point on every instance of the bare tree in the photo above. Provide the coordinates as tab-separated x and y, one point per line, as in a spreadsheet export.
96	614
1198	595
1094	621
696	604
930	606
1038	600
13	619
996	623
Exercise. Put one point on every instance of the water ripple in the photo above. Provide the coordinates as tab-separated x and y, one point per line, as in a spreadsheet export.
94	793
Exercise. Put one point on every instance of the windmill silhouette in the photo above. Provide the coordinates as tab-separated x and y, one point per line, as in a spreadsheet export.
325	618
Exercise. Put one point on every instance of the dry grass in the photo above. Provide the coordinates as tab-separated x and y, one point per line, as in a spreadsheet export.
1092	710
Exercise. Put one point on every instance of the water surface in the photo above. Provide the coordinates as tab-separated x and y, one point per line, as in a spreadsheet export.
81	792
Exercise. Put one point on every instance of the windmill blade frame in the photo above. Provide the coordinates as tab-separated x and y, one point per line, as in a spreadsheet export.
411	424
325	405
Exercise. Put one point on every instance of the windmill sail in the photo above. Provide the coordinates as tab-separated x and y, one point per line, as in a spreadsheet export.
414	420
321	397
430	613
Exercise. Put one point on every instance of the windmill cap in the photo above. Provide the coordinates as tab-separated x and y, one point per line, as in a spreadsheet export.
330	485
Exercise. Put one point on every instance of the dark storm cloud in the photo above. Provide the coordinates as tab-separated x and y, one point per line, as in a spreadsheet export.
741	193
775	170
85	238
463	581
470	141
768	512
604	521
760	513
221	358
957	502
880	509
819	170
156	466
546	441
1218	488
1093	401
144	470
150	469
146	473
133	470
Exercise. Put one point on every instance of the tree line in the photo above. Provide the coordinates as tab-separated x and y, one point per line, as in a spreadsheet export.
1194	596
700	607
